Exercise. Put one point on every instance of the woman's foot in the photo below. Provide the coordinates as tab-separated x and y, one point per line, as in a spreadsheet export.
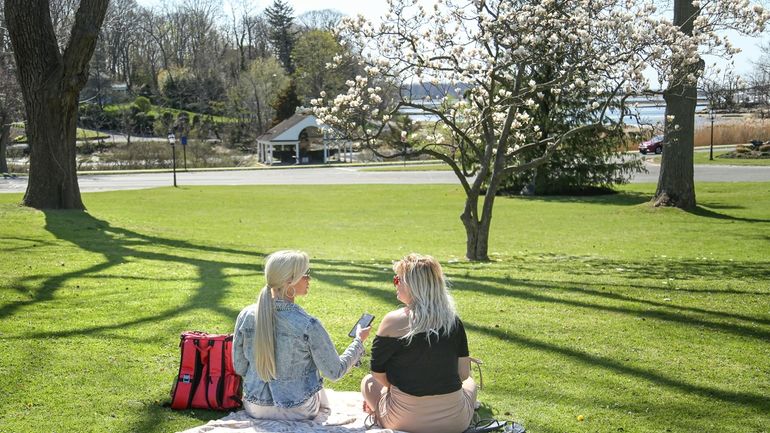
367	409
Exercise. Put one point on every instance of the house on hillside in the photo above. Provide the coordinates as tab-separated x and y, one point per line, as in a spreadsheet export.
302	139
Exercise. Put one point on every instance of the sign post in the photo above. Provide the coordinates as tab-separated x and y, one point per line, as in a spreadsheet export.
184	150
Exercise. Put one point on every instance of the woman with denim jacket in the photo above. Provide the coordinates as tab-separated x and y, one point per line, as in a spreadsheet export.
281	351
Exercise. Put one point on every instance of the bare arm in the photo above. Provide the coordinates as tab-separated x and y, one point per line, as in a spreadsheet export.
394	324
464	367
382	378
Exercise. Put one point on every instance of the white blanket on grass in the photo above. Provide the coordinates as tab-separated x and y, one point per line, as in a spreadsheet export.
345	416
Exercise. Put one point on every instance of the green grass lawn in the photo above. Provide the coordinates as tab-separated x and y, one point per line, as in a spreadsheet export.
157	110
639	319
81	134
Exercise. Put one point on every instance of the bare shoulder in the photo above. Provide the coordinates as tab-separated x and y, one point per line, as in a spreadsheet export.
394	324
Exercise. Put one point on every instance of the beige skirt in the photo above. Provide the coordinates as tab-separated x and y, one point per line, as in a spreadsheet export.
444	413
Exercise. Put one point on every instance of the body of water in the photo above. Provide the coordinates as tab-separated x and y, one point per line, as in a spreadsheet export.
646	115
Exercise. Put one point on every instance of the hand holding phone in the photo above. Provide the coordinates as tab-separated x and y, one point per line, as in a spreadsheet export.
364	321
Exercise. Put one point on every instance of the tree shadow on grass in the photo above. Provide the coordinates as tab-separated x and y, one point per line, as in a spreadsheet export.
757	401
581	287
659	268
32	242
665	315
625	198
116	245
715	205
704	212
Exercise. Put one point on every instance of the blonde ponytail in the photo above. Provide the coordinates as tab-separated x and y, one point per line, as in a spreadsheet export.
283	269
264	336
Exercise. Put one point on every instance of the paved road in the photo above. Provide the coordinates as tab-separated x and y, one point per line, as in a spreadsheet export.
342	175
302	176
712	173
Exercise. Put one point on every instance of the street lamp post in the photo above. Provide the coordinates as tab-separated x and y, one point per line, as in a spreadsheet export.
712	115
172	142
404	143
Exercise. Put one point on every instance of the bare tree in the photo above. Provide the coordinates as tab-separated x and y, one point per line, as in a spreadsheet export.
248	33
62	18
119	33
759	79
722	89
199	29
324	19
147	55
155	28
10	93
51	80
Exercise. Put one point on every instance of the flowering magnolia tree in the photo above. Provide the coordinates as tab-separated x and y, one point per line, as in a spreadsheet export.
493	73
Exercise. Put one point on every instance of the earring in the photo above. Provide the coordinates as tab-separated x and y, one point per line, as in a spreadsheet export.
293	292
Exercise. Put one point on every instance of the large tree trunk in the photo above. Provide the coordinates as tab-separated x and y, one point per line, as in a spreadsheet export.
476	240
477	226
5	134
51	82
676	184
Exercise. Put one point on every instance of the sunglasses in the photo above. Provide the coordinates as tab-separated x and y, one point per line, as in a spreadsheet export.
396	280
307	274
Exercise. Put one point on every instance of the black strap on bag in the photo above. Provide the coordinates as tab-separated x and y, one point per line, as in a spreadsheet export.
493	425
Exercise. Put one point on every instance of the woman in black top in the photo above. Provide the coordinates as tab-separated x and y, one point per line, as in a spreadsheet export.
420	380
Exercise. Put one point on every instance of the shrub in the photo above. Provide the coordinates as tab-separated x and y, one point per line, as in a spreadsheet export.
585	164
141	154
143	104
87	147
742	149
764	148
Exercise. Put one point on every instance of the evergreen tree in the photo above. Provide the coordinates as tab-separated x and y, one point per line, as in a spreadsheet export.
587	162
280	18
286	103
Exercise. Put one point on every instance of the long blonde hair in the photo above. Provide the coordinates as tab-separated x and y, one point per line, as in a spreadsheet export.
432	308
283	269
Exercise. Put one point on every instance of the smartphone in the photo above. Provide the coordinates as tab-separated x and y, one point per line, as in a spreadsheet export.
365	320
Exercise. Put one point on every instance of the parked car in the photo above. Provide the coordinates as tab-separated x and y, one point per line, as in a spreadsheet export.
654	145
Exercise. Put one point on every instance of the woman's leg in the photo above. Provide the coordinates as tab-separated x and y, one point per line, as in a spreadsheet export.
371	390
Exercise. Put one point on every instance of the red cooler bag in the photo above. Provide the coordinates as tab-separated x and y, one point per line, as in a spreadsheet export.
206	378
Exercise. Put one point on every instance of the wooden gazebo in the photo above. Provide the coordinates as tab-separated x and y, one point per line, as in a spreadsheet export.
288	133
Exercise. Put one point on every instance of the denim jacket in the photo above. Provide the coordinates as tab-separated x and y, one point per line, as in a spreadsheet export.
303	352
